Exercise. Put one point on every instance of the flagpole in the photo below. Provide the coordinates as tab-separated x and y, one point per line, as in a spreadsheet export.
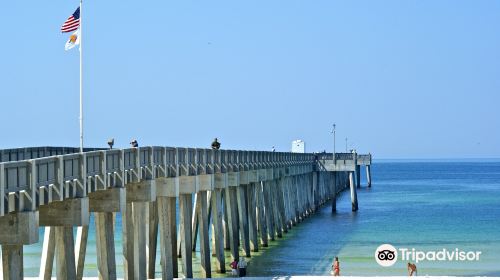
81	81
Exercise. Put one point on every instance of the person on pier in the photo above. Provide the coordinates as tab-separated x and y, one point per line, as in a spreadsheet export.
215	144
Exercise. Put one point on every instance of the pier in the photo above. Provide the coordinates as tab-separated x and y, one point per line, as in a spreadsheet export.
246	197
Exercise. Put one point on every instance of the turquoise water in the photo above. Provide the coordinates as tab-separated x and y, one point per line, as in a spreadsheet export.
421	205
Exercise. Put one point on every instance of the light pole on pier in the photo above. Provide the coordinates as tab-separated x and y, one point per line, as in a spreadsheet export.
346	144
334	199
333	131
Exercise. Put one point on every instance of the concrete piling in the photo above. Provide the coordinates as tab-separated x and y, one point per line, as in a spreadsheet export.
65	252
243	218
369	175
152	219
105	244
354	195
48	253
334	199
232	212
12	261
269	212
252	217
139	213
128	241
202	213
185	208
262	221
218	232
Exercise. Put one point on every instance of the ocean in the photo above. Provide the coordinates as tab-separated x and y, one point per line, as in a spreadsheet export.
421	205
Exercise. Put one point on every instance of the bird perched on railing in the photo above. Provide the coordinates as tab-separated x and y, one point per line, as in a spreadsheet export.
134	143
215	144
111	142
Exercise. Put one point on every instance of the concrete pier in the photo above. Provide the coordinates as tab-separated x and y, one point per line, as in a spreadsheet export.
246	198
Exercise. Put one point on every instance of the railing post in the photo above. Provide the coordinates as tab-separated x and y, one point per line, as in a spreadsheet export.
2	190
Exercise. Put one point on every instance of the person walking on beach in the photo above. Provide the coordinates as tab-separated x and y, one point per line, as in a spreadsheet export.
412	268
242	267
215	144
336	267
234	267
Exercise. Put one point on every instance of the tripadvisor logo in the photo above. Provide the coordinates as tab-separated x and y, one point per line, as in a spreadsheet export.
387	255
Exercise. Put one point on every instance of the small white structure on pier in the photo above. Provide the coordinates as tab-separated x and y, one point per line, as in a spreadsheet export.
298	146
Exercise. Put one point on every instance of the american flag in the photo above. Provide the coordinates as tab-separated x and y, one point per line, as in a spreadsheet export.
72	23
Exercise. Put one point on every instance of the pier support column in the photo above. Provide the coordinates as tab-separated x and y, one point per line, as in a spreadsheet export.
358	176
168	236
286	192
139	210
225	223
315	183
128	241
17	229
194	222
63	216
284	186
48	253
297	213
220	181
232	211
187	187
218	231
252	217
369	175
186	208
293	202
201	212
269	212
106	264
262	225
82	235
12	262
354	195
104	204
152	241
139	195
233	181
204	184
167	192
65	252
276	209
334	196
243	218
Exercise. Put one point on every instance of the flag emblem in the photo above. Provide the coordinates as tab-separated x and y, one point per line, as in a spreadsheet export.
72	23
73	40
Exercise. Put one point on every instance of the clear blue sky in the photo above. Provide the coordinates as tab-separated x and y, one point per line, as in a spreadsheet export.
402	79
